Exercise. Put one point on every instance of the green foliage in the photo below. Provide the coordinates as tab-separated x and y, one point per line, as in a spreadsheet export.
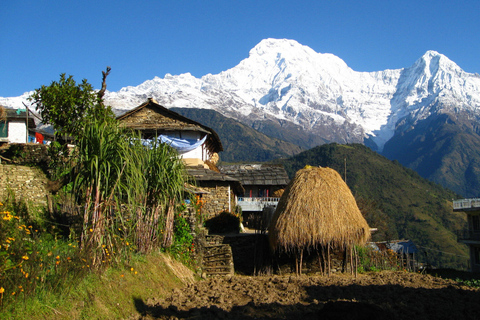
64	104
394	199
374	260
475	283
183	245
225	222
33	258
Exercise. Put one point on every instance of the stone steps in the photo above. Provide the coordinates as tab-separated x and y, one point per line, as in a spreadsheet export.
218	257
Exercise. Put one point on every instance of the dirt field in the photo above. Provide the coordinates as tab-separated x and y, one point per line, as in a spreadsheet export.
386	295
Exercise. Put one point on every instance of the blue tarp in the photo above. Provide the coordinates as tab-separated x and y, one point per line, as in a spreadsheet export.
182	145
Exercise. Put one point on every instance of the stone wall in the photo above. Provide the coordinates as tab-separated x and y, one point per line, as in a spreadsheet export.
26	153
26	183
216	200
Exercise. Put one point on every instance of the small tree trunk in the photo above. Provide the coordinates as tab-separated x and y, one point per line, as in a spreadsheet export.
168	234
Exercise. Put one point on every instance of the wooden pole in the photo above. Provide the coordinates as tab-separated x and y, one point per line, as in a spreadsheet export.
328	257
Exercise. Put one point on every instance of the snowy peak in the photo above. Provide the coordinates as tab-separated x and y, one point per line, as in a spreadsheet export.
283	81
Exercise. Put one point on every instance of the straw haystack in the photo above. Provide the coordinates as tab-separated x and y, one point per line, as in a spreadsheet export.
317	212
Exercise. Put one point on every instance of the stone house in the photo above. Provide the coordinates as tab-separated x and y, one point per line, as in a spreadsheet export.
470	236
262	183
196	144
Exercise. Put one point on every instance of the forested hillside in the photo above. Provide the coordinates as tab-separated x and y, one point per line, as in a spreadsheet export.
394	199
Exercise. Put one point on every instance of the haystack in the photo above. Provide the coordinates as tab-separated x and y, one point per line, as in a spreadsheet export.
317	212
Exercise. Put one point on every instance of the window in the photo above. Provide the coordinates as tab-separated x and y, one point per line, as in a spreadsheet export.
476	223
3	129
476	255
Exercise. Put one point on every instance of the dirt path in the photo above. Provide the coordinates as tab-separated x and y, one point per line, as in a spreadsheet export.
386	295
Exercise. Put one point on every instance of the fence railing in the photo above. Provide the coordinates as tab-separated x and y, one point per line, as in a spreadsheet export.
256	203
466	204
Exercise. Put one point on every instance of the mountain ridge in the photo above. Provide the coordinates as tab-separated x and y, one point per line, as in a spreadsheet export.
290	92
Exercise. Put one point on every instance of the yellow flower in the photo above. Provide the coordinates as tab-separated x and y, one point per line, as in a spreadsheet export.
57	257
1	288
131	269
25	257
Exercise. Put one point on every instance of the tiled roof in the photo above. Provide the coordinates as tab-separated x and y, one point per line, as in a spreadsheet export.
202	174
257	174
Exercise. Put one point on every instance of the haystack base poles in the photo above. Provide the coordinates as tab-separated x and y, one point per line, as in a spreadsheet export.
298	261
351	259
344	262
329	259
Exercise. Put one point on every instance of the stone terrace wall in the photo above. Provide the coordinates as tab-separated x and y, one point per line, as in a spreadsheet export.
27	183
216	200
26	153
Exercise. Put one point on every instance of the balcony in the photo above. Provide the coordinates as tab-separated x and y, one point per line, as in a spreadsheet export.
466	204
257	203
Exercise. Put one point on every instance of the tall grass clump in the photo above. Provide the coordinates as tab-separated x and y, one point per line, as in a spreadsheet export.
127	190
156	180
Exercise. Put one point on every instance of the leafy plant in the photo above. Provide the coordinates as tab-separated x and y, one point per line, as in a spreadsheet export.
64	104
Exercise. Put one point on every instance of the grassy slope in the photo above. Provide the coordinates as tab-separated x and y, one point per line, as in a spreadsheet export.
115	294
413	207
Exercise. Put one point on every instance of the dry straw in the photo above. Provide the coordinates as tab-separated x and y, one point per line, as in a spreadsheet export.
317	210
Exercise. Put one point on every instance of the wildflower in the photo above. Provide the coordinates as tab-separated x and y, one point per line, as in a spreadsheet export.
127	243
26	275
135	272
57	257
57	263
121	275
1	288
131	269
91	230
25	257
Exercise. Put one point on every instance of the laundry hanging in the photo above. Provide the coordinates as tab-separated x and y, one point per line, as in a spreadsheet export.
182	145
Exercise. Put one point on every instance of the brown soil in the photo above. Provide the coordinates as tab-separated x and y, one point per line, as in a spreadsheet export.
385	295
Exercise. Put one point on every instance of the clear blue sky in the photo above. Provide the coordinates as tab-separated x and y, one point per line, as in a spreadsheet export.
142	39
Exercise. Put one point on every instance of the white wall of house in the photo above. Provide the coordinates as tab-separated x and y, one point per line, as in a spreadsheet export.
17	131
196	153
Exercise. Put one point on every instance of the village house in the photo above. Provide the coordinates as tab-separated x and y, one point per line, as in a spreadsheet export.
263	184
471	236
197	145
16	126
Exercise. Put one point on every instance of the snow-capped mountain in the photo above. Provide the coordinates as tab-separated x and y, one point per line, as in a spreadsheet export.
286	84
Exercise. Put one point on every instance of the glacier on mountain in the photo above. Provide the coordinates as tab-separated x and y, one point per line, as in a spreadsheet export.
282	80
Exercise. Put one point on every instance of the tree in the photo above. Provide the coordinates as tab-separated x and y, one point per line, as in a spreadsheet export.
66	105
